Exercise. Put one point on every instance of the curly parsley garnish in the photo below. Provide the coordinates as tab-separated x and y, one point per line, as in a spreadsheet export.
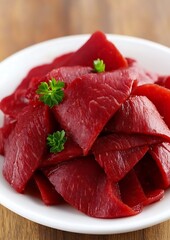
56	141
99	65
51	93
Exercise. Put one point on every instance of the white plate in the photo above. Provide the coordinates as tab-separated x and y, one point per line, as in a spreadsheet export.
153	57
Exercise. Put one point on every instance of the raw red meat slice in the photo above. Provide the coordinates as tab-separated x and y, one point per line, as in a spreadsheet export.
150	178
15	102
132	192
98	47
25	146
149	175
117	164
90	101
83	184
68	74
61	60
71	149
160	97
48	193
65	74
139	115
107	203
114	141
42	70
154	196
9	124
161	154
36	72
144	76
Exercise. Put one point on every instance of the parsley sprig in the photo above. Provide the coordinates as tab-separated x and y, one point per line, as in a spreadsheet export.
99	65
56	141
51	93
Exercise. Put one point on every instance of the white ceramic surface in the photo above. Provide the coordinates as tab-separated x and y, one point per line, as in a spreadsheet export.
153	57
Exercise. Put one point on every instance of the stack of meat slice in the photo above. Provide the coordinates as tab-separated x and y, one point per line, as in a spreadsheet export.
116	159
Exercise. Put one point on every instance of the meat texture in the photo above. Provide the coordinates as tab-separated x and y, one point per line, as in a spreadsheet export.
96	47
71	150
64	74
25	146
120	141
15	102
132	191
139	115
144	76
159	96
84	185
161	155
48	193
118	163
90	101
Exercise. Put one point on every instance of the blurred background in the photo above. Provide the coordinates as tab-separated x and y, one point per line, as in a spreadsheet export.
26	22
23	23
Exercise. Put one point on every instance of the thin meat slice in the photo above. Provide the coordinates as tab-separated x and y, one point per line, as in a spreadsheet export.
119	141
132	192
64	74
108	204
15	102
8	126
139	115
154	195
84	185
159	96
150	177
98	47
90	101
71	150
68	74
144	76
42	70
117	164
48	193
161	154
25	146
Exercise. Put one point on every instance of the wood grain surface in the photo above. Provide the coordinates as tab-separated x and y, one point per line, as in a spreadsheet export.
23	23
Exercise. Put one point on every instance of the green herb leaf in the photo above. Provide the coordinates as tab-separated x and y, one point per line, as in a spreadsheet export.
56	141
99	65
51	93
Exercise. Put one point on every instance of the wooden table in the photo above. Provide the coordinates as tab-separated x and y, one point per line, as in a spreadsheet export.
23	23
